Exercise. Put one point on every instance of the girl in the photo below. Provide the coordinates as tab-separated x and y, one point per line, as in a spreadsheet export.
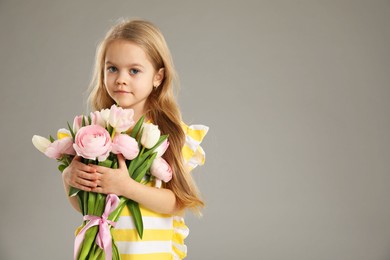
134	69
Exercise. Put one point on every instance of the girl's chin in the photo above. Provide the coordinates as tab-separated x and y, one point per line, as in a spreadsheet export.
123	104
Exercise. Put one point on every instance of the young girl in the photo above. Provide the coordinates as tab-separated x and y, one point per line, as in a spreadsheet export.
134	69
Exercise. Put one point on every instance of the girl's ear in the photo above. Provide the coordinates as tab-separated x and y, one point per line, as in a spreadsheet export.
158	77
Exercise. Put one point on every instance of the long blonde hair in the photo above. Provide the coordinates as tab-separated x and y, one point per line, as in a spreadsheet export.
160	107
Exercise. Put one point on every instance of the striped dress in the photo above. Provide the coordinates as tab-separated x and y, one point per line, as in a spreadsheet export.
163	236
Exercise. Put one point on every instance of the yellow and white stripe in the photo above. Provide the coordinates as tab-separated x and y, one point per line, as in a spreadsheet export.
193	153
164	235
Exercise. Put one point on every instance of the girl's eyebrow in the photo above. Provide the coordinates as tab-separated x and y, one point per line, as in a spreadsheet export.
129	65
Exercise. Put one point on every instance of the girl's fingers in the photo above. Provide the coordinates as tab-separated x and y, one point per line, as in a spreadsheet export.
88	176
78	177
80	187
83	167
121	161
98	190
86	183
100	169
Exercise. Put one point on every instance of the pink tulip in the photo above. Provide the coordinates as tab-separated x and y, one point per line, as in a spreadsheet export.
93	142
97	119
126	145
161	169
78	122
121	119
60	147
162	148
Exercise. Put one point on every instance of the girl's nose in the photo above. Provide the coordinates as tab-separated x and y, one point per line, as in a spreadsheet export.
122	79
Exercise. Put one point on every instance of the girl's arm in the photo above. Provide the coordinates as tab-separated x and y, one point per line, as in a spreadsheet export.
80	176
118	181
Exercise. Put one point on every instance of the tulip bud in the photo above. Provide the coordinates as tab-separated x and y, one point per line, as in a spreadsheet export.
150	135
41	143
121	119
160	150
62	133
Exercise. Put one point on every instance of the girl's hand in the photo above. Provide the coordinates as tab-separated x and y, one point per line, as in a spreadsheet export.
115	181
80	175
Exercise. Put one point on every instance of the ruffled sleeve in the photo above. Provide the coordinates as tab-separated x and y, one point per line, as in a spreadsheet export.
180	232
193	153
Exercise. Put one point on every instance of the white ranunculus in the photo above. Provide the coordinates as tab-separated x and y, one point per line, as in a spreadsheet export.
150	135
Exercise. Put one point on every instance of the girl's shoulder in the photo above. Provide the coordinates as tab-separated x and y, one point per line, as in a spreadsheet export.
193	153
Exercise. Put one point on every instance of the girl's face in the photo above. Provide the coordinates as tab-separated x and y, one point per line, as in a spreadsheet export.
129	76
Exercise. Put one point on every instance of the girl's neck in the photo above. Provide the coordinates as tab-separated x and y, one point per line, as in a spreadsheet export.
139	114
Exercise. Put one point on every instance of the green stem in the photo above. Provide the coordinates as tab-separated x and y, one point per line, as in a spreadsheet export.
113	134
115	214
89	239
85	203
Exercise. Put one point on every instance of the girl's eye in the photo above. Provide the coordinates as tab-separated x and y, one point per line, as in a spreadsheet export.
134	71
112	69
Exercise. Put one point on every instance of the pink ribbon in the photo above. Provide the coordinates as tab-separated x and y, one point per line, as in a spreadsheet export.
103	238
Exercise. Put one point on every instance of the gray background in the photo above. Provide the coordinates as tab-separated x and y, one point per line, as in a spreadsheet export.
296	94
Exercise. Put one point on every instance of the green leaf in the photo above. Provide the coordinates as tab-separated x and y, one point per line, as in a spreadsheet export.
62	167
99	207
139	136
141	171
85	161
85	203
73	191
71	130
115	214
91	202
147	179
137	217
89	239
110	129
160	141
134	164
137	127
51	138
107	163
115	252
80	201
83	122
90	120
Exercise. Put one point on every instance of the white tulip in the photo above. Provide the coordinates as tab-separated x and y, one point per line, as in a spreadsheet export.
150	135
41	143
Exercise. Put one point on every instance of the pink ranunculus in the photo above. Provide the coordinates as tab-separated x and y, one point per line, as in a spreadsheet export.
97	119
162	148
93	142
59	147
121	119
161	169
78	122
126	145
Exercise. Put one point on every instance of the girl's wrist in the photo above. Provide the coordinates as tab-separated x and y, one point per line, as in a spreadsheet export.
127	188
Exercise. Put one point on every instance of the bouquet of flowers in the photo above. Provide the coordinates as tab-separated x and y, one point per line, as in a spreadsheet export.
98	139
